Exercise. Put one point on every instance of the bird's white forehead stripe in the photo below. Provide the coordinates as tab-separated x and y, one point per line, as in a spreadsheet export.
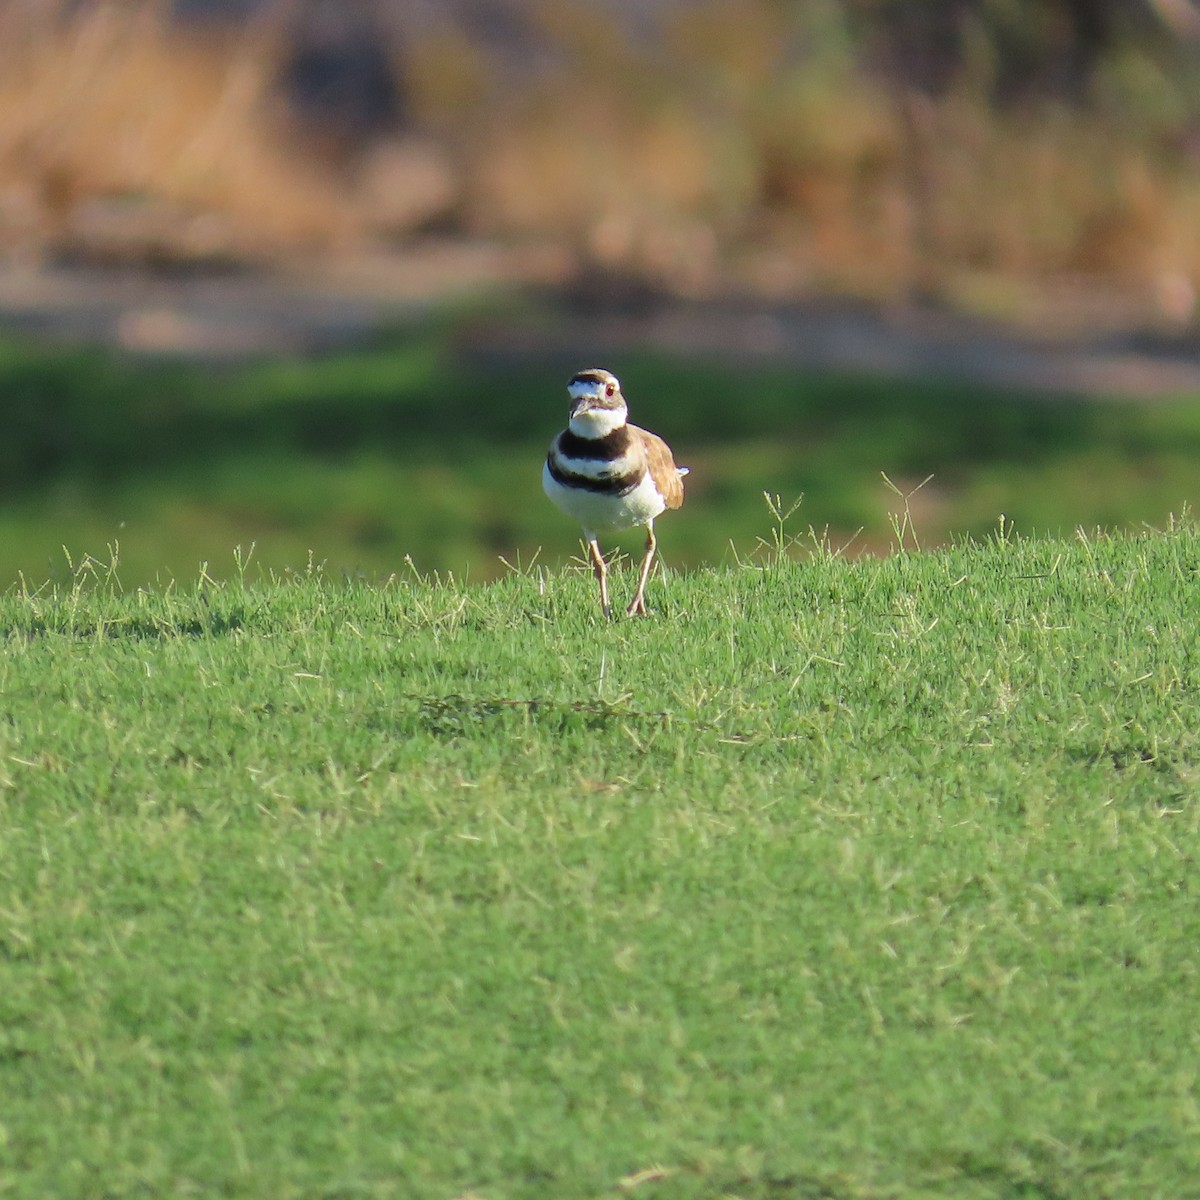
579	388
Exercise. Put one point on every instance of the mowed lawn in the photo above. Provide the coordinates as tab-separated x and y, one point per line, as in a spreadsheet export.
831	879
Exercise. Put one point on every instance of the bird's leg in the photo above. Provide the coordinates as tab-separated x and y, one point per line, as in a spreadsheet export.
639	597
601	573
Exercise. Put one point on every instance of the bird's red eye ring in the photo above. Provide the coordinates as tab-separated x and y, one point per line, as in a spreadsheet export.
610	389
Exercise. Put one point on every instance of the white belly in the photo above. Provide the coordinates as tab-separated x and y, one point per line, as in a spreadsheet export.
597	512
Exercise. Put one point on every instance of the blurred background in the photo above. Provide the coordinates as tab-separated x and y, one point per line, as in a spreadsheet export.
311	274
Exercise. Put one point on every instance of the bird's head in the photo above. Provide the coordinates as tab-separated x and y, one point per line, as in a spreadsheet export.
597	406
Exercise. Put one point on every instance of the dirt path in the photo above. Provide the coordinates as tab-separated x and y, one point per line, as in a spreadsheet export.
321	308
892	344
237	314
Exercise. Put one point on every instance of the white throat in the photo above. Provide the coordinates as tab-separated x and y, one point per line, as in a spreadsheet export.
595	423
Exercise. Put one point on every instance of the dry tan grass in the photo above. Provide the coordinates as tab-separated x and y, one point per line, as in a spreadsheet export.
677	162
709	156
116	104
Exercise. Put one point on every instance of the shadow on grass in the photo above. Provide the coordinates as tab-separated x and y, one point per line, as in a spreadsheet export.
88	412
467	441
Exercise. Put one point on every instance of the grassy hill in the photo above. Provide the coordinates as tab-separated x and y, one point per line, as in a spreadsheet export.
831	879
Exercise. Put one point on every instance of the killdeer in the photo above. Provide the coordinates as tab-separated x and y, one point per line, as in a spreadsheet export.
610	475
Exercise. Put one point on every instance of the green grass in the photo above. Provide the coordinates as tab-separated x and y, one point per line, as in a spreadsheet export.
832	879
417	448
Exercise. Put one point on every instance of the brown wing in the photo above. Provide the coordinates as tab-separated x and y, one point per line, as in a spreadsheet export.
662	466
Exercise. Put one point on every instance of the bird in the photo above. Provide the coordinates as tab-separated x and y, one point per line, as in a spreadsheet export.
610	475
